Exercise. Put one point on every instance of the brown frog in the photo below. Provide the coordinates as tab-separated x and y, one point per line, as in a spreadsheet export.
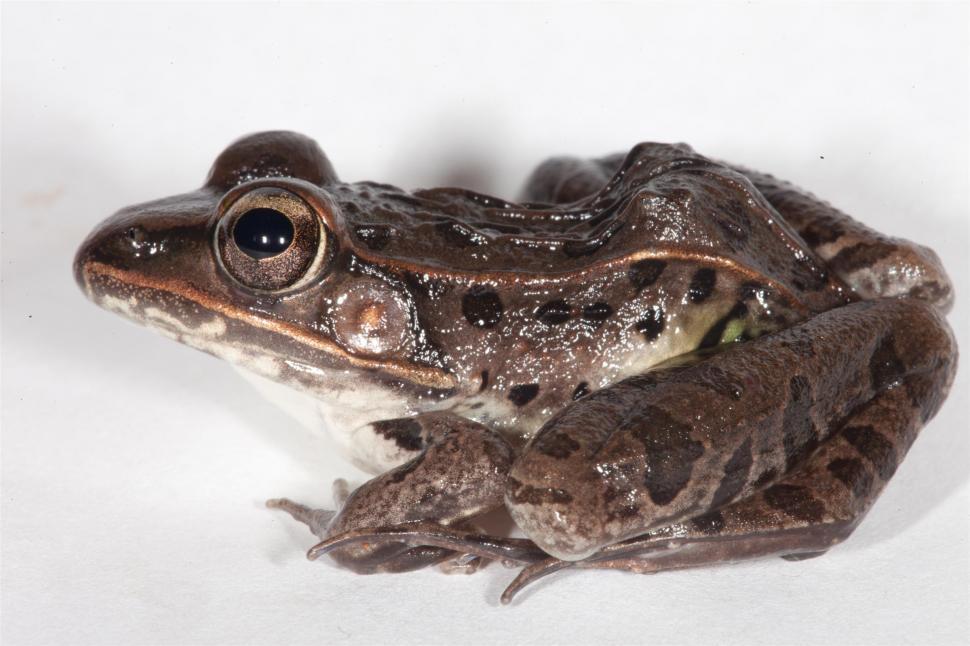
653	361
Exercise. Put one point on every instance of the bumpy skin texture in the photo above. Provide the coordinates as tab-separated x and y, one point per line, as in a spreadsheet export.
654	361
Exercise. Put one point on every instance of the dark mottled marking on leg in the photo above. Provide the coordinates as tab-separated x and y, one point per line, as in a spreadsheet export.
795	501
720	381
523	393
853	474
401	473
554	312
651	325
885	368
714	334
861	255
596	313
557	445
669	451
766	476
405	432
484	381
523	493
736	472
802	346
644	273
581	390
925	394
711	523
874	447
701	285
817	234
800	435
619	503
482	307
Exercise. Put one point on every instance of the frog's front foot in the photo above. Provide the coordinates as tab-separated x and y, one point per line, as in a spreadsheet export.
316	519
416	515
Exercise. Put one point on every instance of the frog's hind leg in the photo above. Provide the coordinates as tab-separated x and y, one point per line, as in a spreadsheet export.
815	497
814	507
874	265
418	513
561	180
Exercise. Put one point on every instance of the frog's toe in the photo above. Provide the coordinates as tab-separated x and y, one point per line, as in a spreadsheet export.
463	564
316	519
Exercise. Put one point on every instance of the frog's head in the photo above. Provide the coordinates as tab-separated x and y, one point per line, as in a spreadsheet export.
256	267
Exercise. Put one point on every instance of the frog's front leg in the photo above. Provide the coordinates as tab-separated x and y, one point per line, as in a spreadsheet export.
774	446
416	514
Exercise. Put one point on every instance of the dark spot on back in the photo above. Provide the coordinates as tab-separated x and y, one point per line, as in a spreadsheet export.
714	334
885	368
375	236
581	390
795	501
736	472
652	323
484	381
753	289
853	474
701	285
522	394
669	451
556	445
523	493
405	432
596	313
874	447
644	273
482	307
766	476
711	523
457	234
800	436
554	312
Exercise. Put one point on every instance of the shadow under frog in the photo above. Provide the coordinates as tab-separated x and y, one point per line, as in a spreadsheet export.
653	361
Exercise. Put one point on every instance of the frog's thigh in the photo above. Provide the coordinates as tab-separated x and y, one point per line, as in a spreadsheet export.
815	506
873	264
683	440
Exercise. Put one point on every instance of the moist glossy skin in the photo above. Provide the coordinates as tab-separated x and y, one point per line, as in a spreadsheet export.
645	345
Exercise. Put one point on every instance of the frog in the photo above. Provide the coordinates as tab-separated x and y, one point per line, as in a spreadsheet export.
650	361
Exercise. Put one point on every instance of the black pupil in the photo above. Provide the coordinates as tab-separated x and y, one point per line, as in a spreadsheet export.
263	233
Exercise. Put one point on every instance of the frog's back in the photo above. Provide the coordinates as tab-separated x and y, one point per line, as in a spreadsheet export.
661	202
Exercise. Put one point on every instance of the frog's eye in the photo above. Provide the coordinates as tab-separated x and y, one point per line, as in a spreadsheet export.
269	239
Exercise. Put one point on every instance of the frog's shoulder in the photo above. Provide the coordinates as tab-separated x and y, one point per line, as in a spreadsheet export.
661	201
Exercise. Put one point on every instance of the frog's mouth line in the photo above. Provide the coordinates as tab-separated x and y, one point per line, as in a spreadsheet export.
419	375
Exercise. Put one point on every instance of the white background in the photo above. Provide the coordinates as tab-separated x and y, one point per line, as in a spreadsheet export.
134	469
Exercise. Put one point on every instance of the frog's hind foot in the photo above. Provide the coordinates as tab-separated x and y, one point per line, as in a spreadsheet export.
465	545
463	564
316	519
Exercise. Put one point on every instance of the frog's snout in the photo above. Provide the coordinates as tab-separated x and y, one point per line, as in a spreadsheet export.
116	242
